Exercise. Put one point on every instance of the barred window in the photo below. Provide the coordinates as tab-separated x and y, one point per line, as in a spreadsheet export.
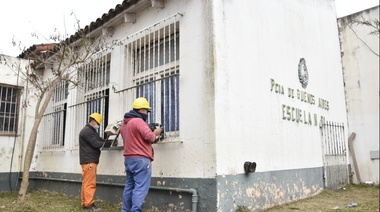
92	95
159	59
54	119
98	103
9	106
152	58
96	73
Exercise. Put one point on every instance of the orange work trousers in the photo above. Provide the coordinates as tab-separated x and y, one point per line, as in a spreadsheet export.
88	184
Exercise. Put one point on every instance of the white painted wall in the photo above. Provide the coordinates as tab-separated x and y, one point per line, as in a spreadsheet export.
361	76
229	115
195	156
257	41
11	147
10	69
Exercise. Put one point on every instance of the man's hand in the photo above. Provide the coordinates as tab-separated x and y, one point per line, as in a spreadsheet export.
157	131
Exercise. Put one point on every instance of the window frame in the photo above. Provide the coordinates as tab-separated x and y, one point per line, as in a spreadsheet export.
54	119
154	63
15	91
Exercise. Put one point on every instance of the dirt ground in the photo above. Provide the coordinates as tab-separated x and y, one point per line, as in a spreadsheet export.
350	198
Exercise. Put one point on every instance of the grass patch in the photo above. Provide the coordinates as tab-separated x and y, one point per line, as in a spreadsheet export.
42	200
366	197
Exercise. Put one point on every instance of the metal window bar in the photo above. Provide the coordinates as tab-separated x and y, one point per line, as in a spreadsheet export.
170	108
58	136
54	120
333	134
8	110
96	73
94	79
334	154
152	71
95	102
61	92
52	128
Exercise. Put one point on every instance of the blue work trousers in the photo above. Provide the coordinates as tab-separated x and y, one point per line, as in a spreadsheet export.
139	172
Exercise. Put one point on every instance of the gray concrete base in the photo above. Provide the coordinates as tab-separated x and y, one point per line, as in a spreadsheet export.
254	191
257	191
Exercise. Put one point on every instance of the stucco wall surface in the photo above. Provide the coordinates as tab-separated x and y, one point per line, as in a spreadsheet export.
360	60
194	155
239	66
11	145
259	45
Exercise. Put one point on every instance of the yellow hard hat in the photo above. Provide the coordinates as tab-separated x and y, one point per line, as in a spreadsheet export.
97	117
141	103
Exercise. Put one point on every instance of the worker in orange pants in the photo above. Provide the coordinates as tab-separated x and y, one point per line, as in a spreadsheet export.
89	153
88	184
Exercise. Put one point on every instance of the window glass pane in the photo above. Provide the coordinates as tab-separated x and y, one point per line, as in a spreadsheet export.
147	91
98	103
170	103
152	71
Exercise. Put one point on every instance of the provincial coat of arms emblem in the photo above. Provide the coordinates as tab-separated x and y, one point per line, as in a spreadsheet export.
303	74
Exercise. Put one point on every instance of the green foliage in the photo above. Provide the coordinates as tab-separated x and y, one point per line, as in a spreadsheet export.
366	196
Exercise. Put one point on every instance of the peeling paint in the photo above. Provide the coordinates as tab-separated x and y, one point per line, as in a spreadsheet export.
306	191
257	193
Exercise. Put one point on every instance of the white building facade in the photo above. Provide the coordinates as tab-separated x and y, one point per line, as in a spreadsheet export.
16	116
232	83
360	60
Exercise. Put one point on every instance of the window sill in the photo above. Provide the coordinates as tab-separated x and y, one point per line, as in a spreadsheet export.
9	134
112	148
122	147
168	142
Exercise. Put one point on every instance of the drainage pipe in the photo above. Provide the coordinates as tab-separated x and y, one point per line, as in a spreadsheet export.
192	191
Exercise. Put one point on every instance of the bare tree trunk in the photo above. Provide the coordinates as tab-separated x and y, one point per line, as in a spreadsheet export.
32	144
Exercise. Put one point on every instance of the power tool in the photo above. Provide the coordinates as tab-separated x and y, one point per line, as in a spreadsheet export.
162	135
112	130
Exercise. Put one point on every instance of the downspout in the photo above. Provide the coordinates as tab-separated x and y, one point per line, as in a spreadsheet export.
192	191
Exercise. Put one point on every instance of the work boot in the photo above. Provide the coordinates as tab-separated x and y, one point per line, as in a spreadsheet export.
92	208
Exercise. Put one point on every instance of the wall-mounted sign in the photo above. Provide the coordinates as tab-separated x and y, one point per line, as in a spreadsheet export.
296	114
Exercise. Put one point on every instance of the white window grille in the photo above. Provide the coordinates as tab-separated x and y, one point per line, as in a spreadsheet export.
53	124
92	95
9	104
152	71
95	74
